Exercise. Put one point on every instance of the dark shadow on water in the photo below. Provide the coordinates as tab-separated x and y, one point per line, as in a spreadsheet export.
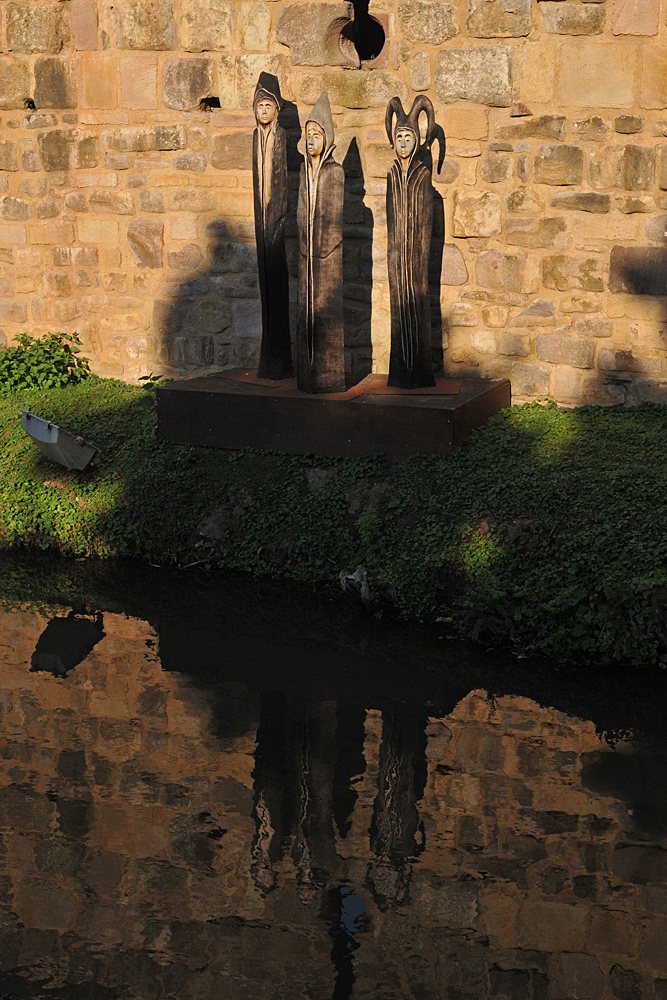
66	642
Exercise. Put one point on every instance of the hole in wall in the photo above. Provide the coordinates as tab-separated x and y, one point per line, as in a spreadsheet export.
209	103
365	33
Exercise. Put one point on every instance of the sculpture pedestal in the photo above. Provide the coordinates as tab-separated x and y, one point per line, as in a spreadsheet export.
235	409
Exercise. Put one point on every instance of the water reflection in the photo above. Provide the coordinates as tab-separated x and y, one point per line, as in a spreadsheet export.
189	816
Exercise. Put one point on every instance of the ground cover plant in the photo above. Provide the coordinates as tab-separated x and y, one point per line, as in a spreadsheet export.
546	532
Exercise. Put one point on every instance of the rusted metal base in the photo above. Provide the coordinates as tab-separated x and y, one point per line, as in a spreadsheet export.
235	409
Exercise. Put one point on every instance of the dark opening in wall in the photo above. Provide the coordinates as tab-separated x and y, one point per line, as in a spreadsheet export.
209	103
365	32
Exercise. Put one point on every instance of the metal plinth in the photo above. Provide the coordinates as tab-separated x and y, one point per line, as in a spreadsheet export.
235	409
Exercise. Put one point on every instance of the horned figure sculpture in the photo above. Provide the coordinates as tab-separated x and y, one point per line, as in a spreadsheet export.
409	223
269	175
319	339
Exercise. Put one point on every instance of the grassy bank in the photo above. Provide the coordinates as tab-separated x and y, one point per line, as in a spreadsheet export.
547	531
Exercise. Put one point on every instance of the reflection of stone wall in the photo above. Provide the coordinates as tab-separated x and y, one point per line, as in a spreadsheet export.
126	213
134	849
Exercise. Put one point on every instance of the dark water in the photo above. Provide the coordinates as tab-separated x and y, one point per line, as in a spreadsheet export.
215	789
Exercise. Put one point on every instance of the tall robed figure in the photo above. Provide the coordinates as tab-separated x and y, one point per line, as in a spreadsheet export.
319	342
409	223
269	175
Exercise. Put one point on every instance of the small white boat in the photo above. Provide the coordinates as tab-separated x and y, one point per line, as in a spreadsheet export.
57	444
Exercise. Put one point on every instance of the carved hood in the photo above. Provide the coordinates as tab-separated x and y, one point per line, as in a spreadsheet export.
268	88
321	115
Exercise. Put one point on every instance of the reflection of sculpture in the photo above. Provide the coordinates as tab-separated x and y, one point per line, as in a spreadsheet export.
269	171
320	224
409	222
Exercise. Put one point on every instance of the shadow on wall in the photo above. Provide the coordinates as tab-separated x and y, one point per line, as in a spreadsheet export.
211	318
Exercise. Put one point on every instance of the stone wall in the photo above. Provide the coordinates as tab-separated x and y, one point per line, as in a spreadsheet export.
126	212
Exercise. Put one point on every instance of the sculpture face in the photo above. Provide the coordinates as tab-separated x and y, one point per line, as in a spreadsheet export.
265	111
314	140
405	142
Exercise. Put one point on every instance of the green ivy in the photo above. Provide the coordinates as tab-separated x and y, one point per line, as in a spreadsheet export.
42	363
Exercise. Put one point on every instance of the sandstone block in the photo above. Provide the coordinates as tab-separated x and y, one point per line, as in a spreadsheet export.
575	977
32	28
185	82
378	158
13	209
585	201
142	24
611	932
543	127
629	167
538	72
312	32
632	18
99	84
564	273
191	200
232	151
495	167
420	71
138	81
656	229
13	312
476	213
622	360
8	159
594	327
483	341
495	315
194	162
662	177
30	161
628	124
654	946
654	77
111	202
151	201
454	270
462	314
207	25
559	165
96	231
55	83
631	205
186	259
467	122
183	228
574	351
526	380
256	21
594	129
428	22
62	149
503	272
146	240
514	345
83	18
450	171
540	312
566	384
523	200
599	75
361	89
141	139
499	18
638	270
33	187
482	75
14	82
238	77
566	18
12	233
530	232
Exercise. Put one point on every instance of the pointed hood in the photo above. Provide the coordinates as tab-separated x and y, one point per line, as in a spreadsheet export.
268	88
321	115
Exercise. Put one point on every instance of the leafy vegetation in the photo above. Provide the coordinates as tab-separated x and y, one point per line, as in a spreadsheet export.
546	532
42	362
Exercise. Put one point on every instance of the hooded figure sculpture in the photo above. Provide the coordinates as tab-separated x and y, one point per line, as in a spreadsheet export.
409	222
319	342
269	175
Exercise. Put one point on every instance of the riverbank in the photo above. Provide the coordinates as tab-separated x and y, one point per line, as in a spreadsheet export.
546	532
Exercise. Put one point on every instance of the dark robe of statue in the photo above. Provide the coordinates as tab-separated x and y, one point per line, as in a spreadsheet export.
409	224
319	362
269	175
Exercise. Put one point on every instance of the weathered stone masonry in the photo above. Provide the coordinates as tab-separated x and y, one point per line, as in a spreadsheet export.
126	212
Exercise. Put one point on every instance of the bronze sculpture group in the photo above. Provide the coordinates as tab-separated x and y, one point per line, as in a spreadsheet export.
319	340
